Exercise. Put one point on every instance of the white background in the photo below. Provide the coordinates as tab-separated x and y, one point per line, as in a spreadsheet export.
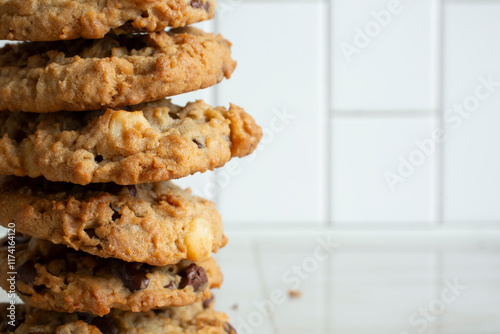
322	172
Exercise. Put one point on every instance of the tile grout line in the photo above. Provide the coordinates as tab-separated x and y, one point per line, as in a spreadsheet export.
329	112
439	285
329	115
329	156
400	113
260	274
439	164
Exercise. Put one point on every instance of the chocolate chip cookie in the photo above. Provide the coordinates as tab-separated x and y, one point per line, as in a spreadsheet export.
56	278
53	20
154	223
110	72
192	319
150	142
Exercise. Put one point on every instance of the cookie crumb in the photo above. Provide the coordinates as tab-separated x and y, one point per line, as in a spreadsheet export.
294	293
234	307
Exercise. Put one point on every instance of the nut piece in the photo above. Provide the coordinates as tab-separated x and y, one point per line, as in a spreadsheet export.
128	130
199	240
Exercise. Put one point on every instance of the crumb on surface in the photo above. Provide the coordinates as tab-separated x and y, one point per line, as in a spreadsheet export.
294	293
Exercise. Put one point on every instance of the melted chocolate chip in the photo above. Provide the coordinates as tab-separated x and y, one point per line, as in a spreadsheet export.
196	3
200	145
208	302
199	4
170	285
132	190
98	158
133	276
194	276
26	272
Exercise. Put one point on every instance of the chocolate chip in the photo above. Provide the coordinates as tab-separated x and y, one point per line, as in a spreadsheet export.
194	276
200	145
208	302
132	190
26	272
133	276
98	158
196	3
229	329
199	4
170	285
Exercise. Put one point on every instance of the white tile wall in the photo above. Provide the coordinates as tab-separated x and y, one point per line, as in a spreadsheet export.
382	55
471	159
364	150
281	71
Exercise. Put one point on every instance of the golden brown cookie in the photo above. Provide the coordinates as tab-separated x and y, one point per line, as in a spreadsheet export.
154	223
57	278
110	72
37	20
191	319
151	142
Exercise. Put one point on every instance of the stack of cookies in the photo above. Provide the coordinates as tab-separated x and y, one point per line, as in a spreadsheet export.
99	240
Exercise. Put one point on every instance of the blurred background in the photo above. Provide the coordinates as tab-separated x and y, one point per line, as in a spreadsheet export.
381	142
372	203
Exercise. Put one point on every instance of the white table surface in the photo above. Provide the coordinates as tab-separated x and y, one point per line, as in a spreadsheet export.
391	282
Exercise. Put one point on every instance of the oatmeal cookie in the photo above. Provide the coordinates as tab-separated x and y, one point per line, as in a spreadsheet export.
155	141
154	223
192	319
110	72
37	20
57	278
